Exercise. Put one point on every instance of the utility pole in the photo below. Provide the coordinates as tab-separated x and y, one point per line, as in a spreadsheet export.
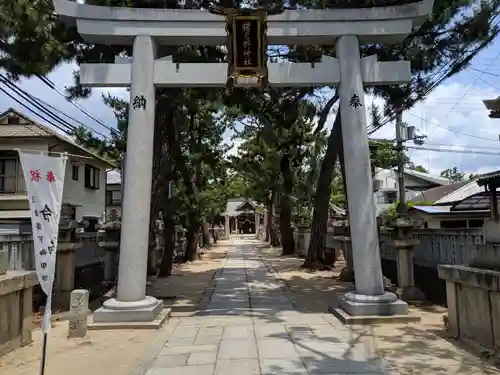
401	208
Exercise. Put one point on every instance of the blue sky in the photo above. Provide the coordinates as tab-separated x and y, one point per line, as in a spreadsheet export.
452	115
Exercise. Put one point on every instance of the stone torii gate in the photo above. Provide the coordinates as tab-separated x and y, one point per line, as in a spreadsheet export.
144	29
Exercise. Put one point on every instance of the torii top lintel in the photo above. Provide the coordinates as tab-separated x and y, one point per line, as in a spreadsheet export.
119	25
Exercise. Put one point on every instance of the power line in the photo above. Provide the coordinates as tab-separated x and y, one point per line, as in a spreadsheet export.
443	75
39	107
468	90
52	85
34	112
452	130
33	100
489	83
454	151
488	73
464	146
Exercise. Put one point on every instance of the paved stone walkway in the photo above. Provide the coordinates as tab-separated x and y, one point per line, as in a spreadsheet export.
250	327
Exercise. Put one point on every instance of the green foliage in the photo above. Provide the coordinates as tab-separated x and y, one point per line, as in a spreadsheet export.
391	213
453	175
384	155
417	168
473	176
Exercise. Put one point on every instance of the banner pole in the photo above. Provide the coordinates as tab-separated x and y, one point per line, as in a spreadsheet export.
44	177
44	353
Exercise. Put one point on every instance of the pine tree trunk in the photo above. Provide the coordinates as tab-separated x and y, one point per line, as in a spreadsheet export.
164	148
273	230
346	274
287	240
205	233
191	243
269	217
214	234
153	230
169	241
322	198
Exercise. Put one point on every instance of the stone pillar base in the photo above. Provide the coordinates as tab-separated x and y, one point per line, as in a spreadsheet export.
354	308
410	293
385	304
148	313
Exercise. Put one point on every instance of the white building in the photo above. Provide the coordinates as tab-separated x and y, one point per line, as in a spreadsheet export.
114	193
386	186
84	183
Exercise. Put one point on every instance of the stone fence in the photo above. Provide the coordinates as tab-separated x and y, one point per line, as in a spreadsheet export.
437	246
80	262
473	290
469	263
337	239
16	306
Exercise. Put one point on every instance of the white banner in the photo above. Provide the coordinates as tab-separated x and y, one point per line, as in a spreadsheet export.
44	176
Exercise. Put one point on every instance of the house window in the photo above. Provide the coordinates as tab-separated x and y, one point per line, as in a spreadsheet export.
392	196
476	223
113	197
453	224
381	198
91	177
74	172
8	175
13	120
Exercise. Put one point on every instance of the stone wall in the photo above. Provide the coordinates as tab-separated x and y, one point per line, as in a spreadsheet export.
473	297
80	262
16	307
437	246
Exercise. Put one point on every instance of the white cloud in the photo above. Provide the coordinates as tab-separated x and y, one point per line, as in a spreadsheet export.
454	115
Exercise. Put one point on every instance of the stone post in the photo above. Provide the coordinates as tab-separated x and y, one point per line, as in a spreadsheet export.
332	246
27	306
257	224
236	224
110	244
265	225
67	247
4	259
200	239
79	307
227	229
404	243
369	297
131	303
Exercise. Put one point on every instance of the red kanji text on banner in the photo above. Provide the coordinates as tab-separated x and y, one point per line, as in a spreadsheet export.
44	176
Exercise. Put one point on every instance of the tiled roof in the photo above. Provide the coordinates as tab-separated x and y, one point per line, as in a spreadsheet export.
432	209
434	194
465	191
488	177
113	177
24	130
28	128
235	203
427	177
